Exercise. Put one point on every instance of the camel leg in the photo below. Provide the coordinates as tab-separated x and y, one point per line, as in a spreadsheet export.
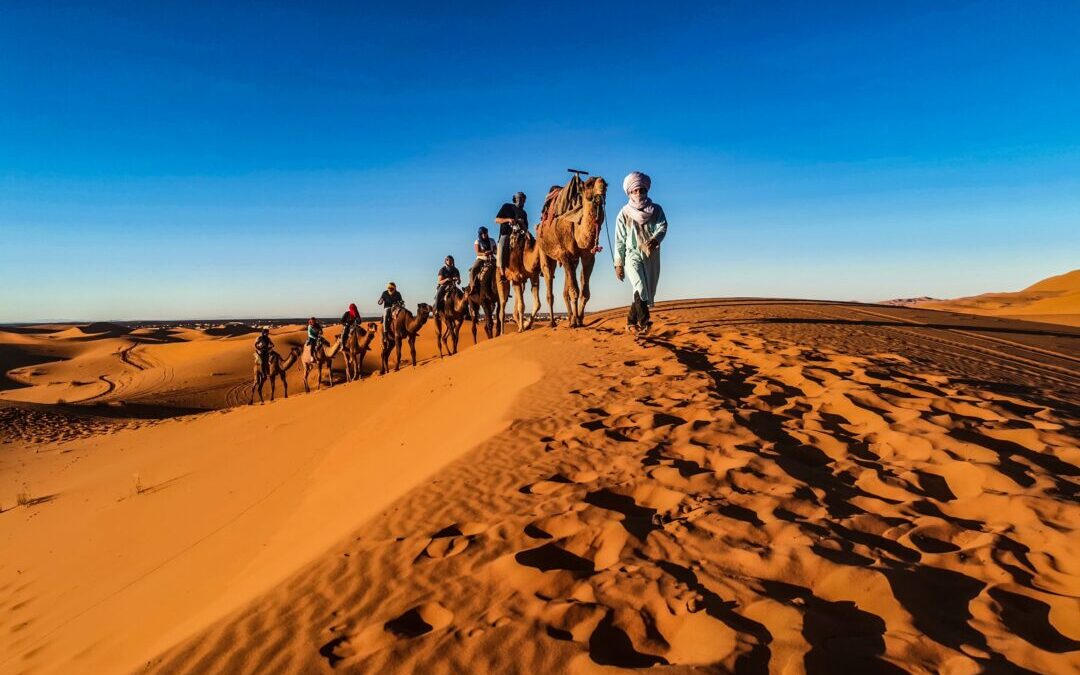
547	266
439	334
397	351
385	364
307	370
412	348
475	317
587	262
534	286
519	305
570	292
273	387
503	287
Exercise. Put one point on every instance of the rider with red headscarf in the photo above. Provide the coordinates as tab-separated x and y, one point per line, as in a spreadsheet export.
350	319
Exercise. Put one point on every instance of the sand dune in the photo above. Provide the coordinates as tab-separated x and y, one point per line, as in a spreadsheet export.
773	486
1052	300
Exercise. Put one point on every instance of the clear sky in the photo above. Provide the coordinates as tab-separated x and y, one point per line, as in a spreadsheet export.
163	160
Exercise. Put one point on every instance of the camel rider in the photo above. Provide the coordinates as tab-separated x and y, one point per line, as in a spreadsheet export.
350	319
639	229
448	277
390	299
485	252
314	335
263	346
510	216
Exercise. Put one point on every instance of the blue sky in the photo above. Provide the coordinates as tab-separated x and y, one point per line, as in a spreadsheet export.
200	160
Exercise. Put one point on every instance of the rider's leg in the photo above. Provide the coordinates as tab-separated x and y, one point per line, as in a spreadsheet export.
502	252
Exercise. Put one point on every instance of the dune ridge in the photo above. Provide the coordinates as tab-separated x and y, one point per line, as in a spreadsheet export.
1055	299
168	527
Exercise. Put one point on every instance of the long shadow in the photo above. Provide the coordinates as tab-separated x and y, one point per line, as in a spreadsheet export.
731	386
1053	466
13	357
1030	619
637	520
939	603
842	637
609	645
754	661
551	557
804	463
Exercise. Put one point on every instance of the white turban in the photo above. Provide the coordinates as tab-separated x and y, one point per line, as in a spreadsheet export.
636	179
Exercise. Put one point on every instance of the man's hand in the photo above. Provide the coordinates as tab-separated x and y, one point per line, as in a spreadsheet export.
619	272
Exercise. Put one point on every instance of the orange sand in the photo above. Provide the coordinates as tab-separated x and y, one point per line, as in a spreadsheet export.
759	485
1053	300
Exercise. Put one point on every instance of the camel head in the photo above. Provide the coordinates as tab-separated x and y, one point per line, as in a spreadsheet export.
423	310
594	194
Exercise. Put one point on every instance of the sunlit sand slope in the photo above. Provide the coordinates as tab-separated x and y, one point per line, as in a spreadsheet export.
760	486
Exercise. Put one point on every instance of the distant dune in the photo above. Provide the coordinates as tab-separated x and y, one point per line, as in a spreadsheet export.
1053	300
757	486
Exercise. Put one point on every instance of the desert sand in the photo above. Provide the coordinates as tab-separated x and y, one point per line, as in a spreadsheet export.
1052	300
762	486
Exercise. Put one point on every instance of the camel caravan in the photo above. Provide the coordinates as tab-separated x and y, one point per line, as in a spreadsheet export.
568	235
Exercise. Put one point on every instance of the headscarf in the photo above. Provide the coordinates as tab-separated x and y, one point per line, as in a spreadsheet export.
519	198
353	312
482	232
638	211
391	286
634	180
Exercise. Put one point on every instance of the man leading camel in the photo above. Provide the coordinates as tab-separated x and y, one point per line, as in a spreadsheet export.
510	216
639	229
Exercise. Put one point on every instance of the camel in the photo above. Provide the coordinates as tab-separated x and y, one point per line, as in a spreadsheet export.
274	369
523	265
485	297
403	326
319	358
452	315
568	238
356	347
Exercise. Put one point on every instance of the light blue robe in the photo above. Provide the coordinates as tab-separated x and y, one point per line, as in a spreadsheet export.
642	270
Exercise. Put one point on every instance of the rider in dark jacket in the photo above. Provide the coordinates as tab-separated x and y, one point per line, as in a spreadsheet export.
389	299
448	277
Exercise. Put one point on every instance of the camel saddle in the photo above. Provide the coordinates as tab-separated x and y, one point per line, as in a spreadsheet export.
560	200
